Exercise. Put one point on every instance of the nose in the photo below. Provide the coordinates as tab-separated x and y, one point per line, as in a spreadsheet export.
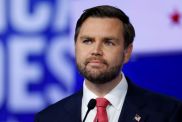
97	50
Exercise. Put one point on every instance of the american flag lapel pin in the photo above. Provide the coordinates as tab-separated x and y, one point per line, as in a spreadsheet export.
137	118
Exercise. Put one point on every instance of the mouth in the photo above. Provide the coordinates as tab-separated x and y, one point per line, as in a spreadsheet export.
96	62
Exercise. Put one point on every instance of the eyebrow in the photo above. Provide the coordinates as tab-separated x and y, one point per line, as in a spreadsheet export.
104	38
85	37
111	38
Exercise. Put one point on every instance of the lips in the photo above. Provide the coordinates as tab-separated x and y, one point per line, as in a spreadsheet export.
95	61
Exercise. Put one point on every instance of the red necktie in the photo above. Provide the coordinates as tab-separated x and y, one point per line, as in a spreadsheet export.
101	115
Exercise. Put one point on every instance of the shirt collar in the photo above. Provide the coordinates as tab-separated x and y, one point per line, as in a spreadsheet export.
116	96
87	95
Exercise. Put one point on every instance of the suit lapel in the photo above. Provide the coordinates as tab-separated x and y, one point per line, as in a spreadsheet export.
130	113
73	107
132	107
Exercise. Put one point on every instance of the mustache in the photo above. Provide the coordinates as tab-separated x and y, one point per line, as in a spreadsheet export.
88	60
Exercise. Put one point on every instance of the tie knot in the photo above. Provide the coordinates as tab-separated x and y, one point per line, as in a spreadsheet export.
102	102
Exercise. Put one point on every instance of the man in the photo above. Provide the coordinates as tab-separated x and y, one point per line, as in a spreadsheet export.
103	43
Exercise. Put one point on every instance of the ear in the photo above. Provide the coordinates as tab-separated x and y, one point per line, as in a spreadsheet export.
127	53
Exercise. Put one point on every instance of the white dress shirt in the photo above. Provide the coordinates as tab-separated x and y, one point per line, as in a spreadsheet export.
116	97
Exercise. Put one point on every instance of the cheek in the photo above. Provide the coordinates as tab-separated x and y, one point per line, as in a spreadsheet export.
80	50
116	58
83	51
81	55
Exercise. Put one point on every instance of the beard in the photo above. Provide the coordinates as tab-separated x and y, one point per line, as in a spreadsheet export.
99	77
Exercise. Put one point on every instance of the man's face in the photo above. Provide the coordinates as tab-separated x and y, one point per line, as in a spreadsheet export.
100	51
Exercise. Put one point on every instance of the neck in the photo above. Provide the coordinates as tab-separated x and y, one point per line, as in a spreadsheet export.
102	89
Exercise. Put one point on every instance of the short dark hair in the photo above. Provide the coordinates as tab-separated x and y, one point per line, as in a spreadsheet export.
110	12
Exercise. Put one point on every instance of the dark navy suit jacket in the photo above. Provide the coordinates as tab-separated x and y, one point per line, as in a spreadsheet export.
149	107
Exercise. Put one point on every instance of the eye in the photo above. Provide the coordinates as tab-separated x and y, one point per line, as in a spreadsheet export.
109	42
87	41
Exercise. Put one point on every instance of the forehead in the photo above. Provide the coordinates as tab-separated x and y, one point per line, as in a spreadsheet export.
105	25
